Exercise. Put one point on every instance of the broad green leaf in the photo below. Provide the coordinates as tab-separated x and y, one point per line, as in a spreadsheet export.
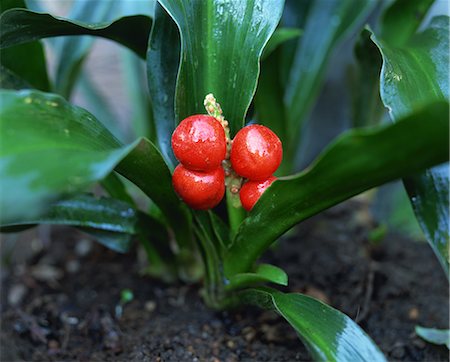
401	20
49	149
357	161
162	69
26	61
117	219
221	230
435	336
429	194
263	273
21	26
114	186
413	74
88	211
145	167
327	23
270	110
10	80
367	108
328	334
221	44
391	208
112	222
416	73
71	51
96	102
280	36
134	81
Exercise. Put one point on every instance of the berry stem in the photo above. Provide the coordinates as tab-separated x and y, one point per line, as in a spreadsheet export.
233	181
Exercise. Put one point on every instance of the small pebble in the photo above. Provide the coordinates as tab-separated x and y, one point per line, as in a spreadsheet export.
46	273
413	313
16	294
83	247
231	344
398	352
73	266
150	306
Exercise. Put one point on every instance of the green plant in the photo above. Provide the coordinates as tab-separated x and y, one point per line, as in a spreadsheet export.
52	151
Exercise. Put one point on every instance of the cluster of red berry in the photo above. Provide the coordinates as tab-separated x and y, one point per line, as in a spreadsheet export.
256	154
199	143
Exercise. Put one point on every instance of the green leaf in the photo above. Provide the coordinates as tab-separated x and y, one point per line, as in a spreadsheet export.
10	80
357	161
280	36
417	73
413	74
134	80
222	42
435	336
269	105
145	167
112	222
21	26
88	211
263	273
328	334
26	61
367	108
429	194
49	149
401	20
114	186
162	69
327	23
117	219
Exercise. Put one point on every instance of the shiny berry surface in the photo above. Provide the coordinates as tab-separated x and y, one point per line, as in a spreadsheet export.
251	191
199	143
256	152
200	190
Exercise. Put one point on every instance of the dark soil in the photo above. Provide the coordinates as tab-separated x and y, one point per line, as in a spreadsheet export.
61	301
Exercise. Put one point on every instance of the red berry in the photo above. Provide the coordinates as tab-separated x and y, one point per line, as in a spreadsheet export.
199	143
200	190
251	191
256	152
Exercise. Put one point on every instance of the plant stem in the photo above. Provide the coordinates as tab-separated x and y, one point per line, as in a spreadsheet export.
233	181
235	213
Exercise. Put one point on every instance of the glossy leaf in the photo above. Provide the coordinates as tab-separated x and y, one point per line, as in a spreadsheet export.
435	336
263	273
401	20
328	334
112	222
357	161
88	211
145	167
367	108
417	73
49	149
222	42
327	23
270	109
114	186
10	80
162	69
21	26
118	219
95	100
280	36
413	74
26	61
